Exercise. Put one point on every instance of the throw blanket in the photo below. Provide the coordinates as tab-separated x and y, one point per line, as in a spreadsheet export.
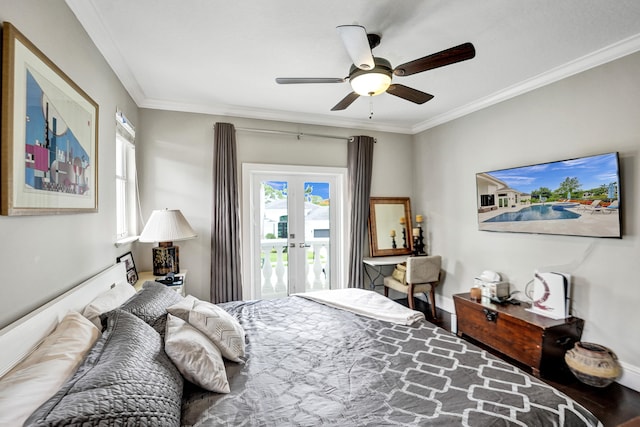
366	303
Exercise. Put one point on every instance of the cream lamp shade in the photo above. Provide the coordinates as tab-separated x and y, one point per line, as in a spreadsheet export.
165	227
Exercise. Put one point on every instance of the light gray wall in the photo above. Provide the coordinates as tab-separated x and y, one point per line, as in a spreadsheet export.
175	158
591	113
42	256
594	112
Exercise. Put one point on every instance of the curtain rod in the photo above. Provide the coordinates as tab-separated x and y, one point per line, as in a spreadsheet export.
296	134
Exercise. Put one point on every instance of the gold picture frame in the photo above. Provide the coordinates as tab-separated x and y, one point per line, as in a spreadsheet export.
49	146
390	230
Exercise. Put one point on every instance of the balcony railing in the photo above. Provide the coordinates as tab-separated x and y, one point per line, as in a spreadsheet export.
274	272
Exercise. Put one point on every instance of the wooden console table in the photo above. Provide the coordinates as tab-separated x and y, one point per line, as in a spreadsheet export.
536	341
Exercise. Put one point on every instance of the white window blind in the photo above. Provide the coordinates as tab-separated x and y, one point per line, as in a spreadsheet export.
126	187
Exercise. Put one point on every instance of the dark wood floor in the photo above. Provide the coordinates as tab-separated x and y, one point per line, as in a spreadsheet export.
613	405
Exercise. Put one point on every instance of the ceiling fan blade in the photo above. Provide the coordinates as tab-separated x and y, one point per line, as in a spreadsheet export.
297	80
446	57
354	38
409	94
346	101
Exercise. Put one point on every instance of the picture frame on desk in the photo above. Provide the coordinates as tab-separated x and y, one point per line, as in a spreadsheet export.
130	266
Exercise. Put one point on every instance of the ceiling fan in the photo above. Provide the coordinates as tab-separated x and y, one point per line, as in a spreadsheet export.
370	75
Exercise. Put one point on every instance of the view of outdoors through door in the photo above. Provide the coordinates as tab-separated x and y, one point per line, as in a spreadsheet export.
295	224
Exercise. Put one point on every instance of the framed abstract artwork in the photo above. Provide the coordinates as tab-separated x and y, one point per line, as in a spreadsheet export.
49	147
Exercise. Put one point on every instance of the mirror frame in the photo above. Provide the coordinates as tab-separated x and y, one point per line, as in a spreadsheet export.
374	226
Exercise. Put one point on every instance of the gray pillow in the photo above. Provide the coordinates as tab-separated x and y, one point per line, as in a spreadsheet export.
126	379
150	304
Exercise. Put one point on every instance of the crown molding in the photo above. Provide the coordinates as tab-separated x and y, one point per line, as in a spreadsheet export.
89	18
594	59
272	115
597	58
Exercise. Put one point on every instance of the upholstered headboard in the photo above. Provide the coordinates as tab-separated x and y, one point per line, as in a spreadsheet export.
22	336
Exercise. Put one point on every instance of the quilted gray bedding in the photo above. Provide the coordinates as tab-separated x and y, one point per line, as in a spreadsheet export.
125	380
308	364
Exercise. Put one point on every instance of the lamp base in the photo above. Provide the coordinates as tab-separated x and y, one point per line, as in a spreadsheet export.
165	259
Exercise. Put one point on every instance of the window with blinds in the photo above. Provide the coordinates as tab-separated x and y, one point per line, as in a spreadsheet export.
126	188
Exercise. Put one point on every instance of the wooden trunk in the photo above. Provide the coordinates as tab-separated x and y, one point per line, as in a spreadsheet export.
536	341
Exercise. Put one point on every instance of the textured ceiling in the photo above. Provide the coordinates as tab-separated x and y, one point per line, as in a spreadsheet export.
222	57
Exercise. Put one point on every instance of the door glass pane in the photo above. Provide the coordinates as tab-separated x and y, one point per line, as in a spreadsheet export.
274	215
317	236
292	232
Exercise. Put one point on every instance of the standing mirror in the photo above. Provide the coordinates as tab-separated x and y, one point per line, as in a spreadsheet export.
390	226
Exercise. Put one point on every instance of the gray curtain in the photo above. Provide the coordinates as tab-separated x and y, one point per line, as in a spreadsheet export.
226	279
360	165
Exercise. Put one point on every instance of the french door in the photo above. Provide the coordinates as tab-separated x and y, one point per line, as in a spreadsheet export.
293	218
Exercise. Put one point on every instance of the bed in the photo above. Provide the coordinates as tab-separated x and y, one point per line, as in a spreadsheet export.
306	360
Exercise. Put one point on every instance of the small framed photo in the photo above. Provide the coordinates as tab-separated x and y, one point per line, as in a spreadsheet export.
130	266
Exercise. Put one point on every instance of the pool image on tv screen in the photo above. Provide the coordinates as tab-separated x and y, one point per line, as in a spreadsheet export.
577	197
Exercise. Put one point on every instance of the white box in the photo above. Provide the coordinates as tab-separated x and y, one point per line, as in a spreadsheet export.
498	290
551	292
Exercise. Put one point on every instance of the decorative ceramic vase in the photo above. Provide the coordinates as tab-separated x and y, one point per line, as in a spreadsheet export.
593	364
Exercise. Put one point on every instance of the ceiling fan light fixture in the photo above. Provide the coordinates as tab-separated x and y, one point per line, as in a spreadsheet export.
371	82
370	75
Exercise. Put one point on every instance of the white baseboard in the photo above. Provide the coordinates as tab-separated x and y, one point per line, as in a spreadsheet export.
630	376
445	303
630	373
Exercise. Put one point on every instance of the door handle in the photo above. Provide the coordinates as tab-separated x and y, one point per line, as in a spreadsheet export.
300	245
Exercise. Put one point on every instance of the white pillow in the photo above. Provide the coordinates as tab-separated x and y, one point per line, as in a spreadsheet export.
107	301
218	325
37	377
197	358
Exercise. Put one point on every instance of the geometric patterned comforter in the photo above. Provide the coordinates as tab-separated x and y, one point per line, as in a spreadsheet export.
308	364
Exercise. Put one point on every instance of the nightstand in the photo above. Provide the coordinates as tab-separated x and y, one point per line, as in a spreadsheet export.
145	276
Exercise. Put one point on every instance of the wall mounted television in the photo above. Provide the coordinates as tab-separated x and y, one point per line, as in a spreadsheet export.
576	197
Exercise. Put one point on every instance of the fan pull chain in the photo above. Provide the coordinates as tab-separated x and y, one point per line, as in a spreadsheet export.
370	106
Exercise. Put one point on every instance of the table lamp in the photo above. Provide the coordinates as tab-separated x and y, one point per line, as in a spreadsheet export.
165	227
